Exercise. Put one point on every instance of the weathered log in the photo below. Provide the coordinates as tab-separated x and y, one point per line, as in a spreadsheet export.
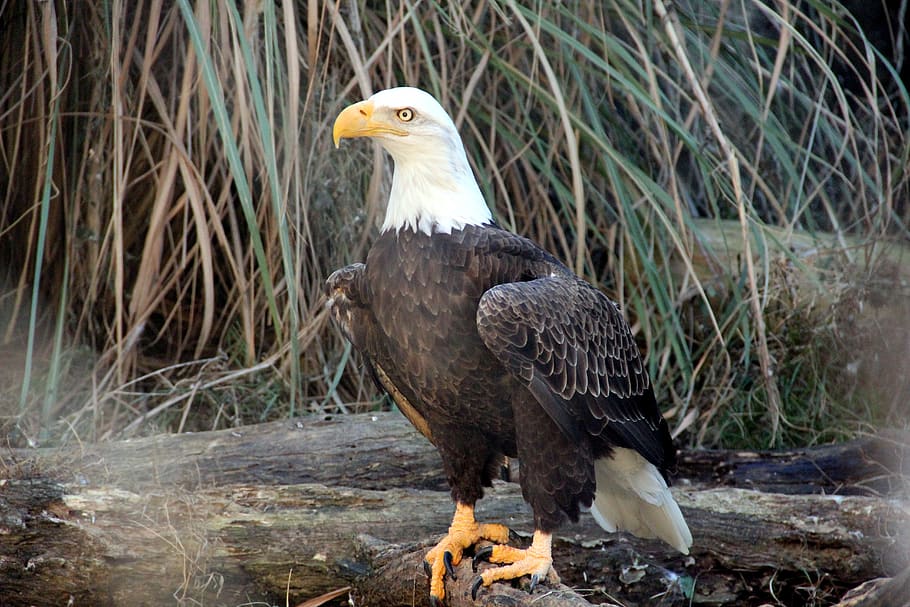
100	544
374	451
229	544
223	518
382	450
872	465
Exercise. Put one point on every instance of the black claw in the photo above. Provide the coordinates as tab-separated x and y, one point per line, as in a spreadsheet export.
535	579
427	569
447	561
475	586
481	554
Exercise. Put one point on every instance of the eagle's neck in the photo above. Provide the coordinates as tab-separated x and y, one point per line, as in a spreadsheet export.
434	191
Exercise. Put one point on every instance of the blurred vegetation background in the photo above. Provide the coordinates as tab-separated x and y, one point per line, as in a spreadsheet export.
734	174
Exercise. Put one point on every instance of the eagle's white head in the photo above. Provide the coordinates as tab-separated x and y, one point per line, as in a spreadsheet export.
433	188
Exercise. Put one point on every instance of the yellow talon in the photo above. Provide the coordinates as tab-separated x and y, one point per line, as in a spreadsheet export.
463	533
536	561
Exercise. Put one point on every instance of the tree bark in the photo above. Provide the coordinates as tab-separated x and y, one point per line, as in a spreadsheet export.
297	509
382	450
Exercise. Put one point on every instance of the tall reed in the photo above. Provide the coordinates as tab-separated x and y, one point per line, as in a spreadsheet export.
734	174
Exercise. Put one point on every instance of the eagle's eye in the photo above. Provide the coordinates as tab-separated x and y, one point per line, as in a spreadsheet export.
405	114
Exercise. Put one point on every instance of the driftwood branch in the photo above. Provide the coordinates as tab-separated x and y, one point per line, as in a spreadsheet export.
295	510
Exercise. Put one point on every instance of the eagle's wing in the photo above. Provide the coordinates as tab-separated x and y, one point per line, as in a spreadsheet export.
576	353
348	301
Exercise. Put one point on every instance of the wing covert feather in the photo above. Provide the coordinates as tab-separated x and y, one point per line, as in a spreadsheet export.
560	334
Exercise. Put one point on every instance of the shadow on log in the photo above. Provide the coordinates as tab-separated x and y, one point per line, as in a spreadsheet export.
292	510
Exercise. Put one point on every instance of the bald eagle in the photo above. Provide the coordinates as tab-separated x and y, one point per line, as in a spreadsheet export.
492	348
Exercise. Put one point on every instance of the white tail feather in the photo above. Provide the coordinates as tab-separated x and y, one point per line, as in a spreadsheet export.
633	496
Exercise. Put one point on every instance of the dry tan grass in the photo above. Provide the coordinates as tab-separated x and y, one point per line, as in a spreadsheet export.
195	205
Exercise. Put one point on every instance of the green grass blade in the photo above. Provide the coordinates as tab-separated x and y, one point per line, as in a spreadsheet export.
219	109
279	207
46	195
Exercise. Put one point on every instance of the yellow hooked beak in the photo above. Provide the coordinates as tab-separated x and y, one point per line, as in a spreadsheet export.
357	121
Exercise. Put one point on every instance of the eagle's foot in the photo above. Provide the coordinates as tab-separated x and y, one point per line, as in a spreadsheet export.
536	561
447	554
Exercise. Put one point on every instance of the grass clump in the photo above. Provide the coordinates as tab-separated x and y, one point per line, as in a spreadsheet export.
735	175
